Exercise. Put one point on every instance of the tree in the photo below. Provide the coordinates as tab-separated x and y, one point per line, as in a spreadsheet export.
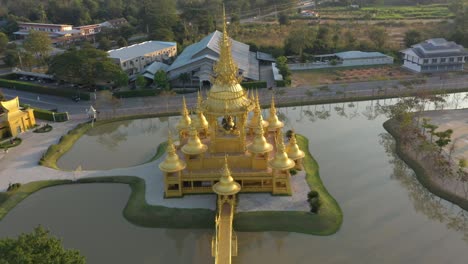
444	138
184	78
121	42
105	44
378	36
140	81
37	247
283	19
160	16
300	39
38	44
86	66
161	80
412	37
3	41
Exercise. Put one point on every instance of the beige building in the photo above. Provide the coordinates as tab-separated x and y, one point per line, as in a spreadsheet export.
14	119
133	59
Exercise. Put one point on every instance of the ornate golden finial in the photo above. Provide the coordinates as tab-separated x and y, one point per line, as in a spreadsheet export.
281	161
225	70
194	145
172	163
185	119
226	184
274	122
259	143
293	150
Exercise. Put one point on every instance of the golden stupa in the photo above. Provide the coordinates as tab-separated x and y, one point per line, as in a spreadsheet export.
185	120
274	124
254	163
172	163
226	184
294	152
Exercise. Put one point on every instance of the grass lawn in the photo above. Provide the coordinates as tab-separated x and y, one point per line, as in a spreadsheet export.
326	222
10	144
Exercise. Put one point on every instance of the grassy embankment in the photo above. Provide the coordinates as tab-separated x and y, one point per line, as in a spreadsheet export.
326	222
421	173
140	213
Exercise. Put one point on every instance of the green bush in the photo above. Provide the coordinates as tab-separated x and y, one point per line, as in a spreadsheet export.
254	85
44	129
49	115
283	83
35	88
136	93
14	186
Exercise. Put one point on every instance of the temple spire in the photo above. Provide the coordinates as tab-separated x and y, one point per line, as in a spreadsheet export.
225	70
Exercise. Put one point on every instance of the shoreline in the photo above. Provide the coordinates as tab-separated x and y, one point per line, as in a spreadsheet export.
422	174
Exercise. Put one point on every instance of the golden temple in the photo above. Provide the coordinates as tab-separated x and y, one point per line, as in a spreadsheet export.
221	125
222	133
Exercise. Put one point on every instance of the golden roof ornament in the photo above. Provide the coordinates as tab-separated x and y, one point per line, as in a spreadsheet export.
293	150
281	161
257	114
194	146
226	184
226	82
200	121
172	163
185	120
259	143
274	122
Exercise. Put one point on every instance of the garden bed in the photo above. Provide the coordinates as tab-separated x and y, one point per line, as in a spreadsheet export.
10	143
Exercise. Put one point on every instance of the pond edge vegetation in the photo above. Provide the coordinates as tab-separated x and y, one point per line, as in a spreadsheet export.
423	177
139	212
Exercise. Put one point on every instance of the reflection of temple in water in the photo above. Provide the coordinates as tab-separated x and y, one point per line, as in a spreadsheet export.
255	149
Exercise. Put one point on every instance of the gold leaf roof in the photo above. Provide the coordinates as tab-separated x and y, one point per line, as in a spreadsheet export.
226	89
274	122
281	161
194	146
185	120
172	163
293	150
259	143
226	184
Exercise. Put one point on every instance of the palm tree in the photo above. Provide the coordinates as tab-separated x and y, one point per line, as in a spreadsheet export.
184	78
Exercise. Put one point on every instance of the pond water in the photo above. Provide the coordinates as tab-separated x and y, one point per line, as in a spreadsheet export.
388	216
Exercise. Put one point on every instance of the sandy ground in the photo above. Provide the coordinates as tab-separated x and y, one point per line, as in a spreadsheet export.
20	164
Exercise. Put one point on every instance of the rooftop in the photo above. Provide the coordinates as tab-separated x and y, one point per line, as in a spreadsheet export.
240	53
139	49
437	47
354	54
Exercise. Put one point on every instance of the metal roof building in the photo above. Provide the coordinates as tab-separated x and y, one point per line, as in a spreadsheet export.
198	59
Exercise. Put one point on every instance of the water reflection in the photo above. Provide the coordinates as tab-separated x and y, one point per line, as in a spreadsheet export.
424	201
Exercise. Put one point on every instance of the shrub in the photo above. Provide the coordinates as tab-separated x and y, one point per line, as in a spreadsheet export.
136	93
283	83
14	186
254	85
293	171
314	205
49	115
312	194
46	128
35	88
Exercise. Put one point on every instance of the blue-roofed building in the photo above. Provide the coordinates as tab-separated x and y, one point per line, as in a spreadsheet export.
198	60
357	58
134	58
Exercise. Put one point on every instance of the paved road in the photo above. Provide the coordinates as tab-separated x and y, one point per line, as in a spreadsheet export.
160	104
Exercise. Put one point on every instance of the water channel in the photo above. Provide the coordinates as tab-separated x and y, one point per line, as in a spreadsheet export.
388	216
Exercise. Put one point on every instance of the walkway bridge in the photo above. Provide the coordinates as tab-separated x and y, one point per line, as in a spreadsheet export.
224	243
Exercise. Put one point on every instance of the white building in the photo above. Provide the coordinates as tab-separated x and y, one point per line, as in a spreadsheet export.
133	59
435	55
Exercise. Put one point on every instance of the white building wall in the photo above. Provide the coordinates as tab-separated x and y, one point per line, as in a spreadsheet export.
367	61
412	66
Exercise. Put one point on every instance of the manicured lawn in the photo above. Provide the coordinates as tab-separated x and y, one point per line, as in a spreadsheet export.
326	222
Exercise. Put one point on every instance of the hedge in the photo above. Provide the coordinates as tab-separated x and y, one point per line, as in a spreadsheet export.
254	85
136	93
49	115
283	83
35	88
